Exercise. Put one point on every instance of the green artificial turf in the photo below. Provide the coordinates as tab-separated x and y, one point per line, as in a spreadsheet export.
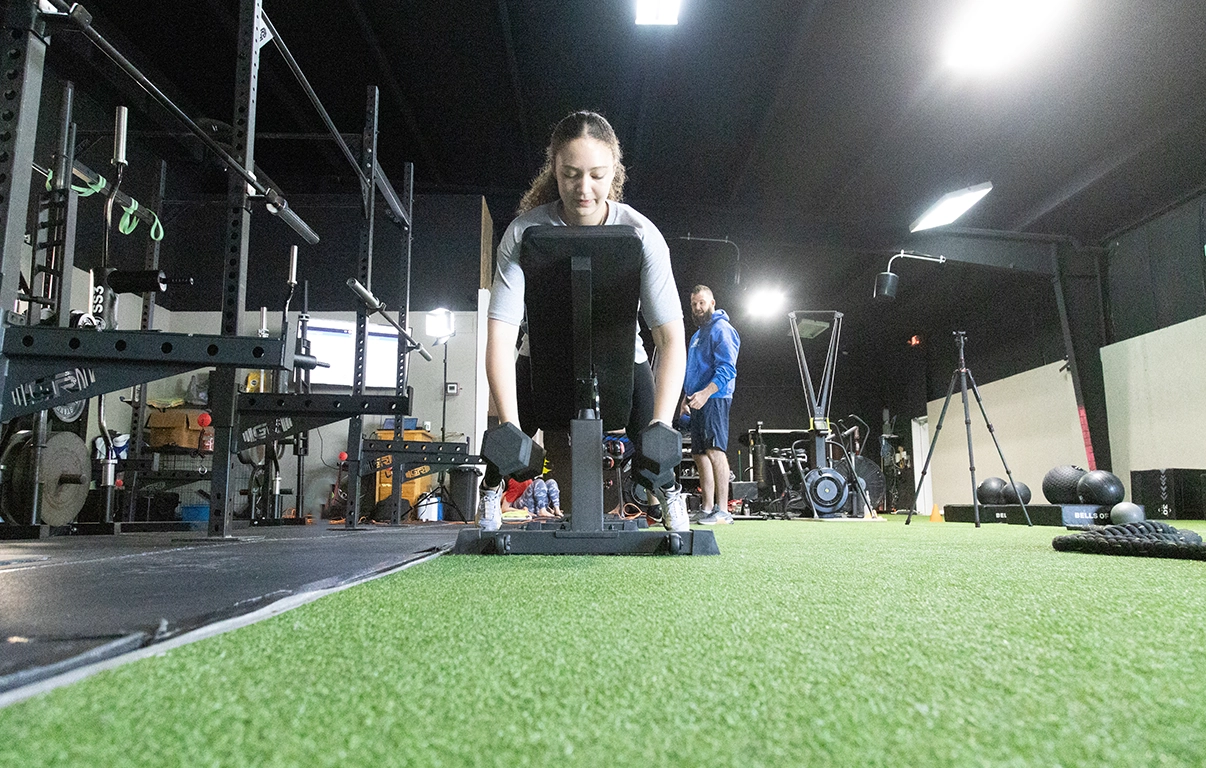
851	644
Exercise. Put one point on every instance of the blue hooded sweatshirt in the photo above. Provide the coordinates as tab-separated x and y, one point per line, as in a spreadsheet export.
712	356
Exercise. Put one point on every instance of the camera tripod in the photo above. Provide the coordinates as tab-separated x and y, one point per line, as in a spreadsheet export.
963	376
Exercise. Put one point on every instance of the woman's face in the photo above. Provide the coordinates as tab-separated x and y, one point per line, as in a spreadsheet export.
584	168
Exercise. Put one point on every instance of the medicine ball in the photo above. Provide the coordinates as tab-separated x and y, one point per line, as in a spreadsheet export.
1125	512
989	491
1009	497
1059	485
1100	487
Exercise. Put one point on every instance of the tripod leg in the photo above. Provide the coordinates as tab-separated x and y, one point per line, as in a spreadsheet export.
933	444
971	457
993	432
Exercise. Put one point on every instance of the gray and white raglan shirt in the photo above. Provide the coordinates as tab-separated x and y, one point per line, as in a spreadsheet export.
659	304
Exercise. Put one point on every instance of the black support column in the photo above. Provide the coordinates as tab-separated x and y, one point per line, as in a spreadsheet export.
1077	285
224	381
20	98
364	273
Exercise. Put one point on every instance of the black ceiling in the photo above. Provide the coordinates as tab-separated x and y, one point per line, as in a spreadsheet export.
811	132
831	118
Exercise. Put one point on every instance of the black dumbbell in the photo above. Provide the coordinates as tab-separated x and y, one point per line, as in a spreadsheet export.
659	452
512	452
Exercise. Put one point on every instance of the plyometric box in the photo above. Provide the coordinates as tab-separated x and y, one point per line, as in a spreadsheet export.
1063	515
1170	494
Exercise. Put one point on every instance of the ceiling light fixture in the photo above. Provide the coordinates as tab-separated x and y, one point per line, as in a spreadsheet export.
887	281
664	12
951	206
992	34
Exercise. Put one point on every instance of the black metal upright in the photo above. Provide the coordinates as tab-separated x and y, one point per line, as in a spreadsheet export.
408	186
54	254
137	428
223	389
24	56
364	273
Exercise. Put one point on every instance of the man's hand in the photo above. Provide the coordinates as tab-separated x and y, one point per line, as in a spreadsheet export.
697	400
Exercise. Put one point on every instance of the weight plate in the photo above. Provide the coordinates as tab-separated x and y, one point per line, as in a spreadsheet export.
254	457
65	473
70	412
17	496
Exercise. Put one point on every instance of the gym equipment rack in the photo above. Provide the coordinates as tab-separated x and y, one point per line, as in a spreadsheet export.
44	366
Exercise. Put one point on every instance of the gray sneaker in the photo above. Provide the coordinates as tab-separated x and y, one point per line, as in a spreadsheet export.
698	515
717	517
674	514
489	509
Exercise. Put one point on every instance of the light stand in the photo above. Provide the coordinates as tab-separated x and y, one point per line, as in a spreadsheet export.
441	324
963	375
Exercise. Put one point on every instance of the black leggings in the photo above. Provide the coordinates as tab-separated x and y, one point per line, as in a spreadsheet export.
638	418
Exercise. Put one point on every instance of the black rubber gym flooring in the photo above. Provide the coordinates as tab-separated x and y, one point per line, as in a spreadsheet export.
70	600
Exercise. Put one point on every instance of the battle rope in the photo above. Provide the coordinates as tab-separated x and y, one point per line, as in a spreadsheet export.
1145	539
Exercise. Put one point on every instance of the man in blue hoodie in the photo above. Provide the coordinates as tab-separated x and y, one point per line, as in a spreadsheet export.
709	383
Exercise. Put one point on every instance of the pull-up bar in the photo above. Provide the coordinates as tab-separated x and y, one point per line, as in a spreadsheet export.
275	203
381	182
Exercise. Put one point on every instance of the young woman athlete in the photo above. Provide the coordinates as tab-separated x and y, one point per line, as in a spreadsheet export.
581	184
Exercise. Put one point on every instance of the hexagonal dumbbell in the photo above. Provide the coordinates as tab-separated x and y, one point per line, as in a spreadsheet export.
512	452
659	452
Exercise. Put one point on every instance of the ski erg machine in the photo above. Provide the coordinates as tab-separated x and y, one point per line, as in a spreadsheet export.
824	487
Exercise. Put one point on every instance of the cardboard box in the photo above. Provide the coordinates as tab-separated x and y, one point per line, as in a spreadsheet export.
177	428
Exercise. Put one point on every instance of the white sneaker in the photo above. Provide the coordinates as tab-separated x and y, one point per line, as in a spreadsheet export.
489	509
716	517
674	515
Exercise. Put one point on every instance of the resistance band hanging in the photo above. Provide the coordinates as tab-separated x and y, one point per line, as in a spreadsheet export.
128	222
86	191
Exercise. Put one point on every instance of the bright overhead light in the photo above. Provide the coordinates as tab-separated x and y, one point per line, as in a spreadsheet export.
766	303
657	11
951	206
992	34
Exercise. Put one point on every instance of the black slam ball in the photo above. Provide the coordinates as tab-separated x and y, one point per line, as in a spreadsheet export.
1125	512
989	491
1007	493
1100	487
1059	485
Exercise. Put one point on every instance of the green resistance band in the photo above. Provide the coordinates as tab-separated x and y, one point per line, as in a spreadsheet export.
128	222
87	191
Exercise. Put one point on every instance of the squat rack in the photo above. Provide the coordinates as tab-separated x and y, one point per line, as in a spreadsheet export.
42	366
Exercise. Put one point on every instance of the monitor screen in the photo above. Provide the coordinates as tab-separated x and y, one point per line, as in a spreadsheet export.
334	342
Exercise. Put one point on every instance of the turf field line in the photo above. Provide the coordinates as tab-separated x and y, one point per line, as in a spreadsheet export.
84	665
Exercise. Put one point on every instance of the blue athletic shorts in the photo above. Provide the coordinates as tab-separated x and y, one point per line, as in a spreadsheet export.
710	425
